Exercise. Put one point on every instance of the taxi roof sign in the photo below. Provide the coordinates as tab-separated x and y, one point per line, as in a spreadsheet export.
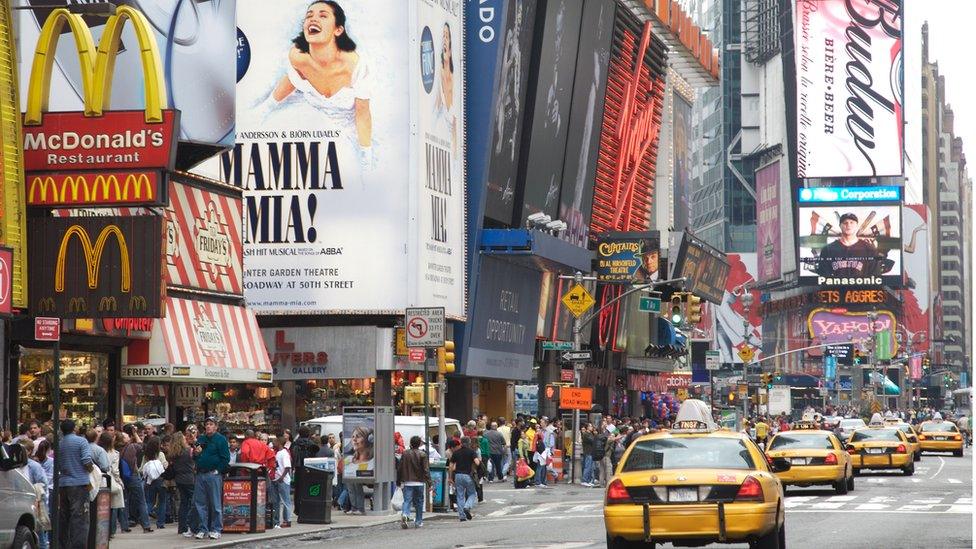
805	425
694	416
876	420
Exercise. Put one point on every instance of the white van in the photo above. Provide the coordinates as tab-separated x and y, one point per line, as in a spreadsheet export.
407	426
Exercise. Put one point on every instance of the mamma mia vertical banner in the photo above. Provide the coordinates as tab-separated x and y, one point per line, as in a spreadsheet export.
438	253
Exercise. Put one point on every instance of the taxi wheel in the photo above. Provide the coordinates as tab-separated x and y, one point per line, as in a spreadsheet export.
618	543
909	470
776	539
957	453
840	487
917	456
850	483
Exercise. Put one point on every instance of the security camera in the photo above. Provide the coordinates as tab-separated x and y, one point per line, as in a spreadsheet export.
537	217
556	226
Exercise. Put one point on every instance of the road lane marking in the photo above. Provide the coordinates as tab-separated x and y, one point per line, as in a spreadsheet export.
941	465
827	505
916	480
964	501
870	507
954	481
581	508
965	509
524	517
927	501
544	508
800	499
915	508
505	511
841	498
883	499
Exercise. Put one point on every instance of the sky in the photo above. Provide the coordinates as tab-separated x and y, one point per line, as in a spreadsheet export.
947	24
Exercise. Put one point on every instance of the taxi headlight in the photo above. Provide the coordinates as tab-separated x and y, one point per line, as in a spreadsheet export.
956	437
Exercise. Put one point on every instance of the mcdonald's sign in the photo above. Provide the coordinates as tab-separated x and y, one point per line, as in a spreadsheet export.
95	188
97	267
94	138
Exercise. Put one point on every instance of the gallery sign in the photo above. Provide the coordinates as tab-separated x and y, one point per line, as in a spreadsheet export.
96	267
326	352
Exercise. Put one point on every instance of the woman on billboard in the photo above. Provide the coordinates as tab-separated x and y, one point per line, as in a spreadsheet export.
444	106
360	456
326	73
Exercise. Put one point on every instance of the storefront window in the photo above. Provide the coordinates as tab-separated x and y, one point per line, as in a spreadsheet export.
144	403
317	398
84	385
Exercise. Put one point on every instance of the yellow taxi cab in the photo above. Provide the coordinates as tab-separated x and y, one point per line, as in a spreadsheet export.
817	457
695	485
878	446
910	434
940	436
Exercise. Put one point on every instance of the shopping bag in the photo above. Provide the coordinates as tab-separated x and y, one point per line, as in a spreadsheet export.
397	500
522	469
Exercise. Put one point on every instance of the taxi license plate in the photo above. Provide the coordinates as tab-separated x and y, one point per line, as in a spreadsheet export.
798	461
683	494
940	438
875	450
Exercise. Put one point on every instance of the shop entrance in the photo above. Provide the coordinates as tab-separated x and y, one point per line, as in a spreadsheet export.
84	385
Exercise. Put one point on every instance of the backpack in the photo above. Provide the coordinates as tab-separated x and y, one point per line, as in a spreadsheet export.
125	471
540	443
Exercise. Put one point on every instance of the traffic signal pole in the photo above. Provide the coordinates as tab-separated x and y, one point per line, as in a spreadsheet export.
578	325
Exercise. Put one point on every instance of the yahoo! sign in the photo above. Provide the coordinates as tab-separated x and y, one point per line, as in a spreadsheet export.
834	326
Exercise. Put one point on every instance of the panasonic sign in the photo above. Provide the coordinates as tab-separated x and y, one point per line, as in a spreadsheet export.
850	194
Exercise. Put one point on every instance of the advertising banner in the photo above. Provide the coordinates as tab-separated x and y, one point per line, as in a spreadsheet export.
704	268
196	43
6	280
850	236
681	135
852	327
326	352
96	188
506	307
737	319
358	461
769	246
96	267
203	239
586	115
628	258
437	273
849	89
553	95
510	111
345	209
13	222
917	295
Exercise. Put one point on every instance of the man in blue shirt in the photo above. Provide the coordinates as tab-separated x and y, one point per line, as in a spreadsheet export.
74	461
212	455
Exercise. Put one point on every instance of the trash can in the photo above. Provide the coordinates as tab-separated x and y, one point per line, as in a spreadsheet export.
313	491
100	516
441	501
245	499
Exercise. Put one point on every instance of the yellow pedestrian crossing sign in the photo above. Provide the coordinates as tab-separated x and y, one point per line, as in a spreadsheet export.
578	300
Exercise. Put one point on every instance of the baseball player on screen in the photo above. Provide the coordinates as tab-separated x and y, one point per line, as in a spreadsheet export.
849	255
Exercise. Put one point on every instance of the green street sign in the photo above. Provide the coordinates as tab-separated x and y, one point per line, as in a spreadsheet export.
557	345
649	305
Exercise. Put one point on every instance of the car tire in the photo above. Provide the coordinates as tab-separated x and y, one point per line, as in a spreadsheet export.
957	453
24	539
857	472
840	487
917	456
850	483
775	539
909	470
617	543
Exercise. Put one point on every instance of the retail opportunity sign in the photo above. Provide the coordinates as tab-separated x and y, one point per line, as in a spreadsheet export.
354	194
849	89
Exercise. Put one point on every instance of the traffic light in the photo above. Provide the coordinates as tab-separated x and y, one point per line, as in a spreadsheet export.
445	358
732	397
693	309
767	380
676	315
926	362
550	392
858	356
947	380
778	376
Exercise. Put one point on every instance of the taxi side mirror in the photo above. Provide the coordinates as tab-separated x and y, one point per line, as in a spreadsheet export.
780	465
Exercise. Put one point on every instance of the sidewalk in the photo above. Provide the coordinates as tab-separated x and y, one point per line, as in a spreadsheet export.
137	539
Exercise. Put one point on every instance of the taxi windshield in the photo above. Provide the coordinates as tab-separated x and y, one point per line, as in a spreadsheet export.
793	441
943	427
890	435
689	453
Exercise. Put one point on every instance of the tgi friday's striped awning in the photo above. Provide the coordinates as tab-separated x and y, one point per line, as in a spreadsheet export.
200	341
143	389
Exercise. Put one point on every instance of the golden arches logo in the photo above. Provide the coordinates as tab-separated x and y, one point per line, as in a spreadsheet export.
93	255
97	65
86	188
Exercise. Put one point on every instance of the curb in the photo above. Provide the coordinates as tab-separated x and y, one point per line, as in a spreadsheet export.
250	538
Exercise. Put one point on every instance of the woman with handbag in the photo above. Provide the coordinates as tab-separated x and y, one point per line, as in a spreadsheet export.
107	442
152	475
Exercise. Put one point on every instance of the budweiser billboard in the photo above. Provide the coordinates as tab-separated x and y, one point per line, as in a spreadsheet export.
849	88
96	267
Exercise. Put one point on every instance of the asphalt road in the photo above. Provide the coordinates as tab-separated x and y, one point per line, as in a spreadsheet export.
932	509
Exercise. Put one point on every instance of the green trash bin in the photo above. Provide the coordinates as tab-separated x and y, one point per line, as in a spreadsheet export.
438	475
314	491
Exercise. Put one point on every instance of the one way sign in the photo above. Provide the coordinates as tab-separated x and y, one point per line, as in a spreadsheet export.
577	356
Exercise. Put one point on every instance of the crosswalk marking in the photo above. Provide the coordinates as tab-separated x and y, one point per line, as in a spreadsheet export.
882	499
927	501
964	501
954	481
871	507
915	508
963	509
543	508
841	498
506	510
828	505
581	508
